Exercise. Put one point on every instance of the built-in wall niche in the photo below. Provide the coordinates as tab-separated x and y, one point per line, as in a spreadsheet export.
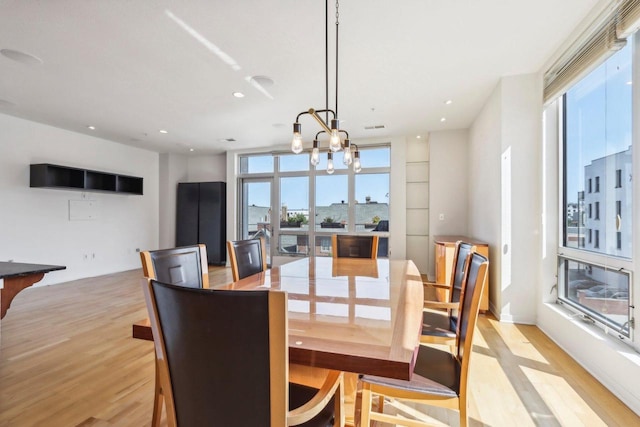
46	175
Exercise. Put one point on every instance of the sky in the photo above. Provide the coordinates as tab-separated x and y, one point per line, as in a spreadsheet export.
598	117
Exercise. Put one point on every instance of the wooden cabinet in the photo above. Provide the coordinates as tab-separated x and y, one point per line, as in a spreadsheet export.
444	249
68	178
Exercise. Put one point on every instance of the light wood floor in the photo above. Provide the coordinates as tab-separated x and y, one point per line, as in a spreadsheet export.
67	359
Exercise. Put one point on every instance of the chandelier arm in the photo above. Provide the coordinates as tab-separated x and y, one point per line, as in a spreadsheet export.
321	122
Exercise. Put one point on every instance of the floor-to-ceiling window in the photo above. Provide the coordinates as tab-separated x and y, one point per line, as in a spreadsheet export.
298	207
595	262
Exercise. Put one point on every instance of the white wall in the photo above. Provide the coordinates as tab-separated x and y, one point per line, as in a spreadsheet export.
175	168
484	187
504	188
35	221
207	168
449	186
521	136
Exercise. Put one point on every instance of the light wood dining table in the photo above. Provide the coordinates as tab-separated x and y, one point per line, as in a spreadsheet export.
353	315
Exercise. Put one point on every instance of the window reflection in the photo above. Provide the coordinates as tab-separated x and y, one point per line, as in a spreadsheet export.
373	312
333	309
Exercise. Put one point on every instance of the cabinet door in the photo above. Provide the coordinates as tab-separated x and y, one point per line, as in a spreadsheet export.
212	220
187	214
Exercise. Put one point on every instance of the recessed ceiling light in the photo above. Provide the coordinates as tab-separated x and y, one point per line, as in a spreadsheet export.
91	127
448	102
629	82
24	58
418	136
191	149
444	119
238	94
163	131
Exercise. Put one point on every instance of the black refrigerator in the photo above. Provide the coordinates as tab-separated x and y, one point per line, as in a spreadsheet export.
201	217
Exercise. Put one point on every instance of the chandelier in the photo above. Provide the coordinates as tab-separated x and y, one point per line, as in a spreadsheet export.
331	128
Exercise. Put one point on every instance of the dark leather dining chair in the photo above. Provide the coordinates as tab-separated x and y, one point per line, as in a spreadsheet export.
247	257
223	358
350	246
184	266
439	327
439	378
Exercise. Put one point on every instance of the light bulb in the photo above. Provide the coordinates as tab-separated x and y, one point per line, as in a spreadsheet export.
357	167
334	139
347	158
315	153
296	142
330	168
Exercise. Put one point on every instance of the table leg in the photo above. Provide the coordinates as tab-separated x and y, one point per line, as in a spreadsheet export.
13	285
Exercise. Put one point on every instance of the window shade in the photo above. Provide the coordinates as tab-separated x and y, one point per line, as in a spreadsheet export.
605	37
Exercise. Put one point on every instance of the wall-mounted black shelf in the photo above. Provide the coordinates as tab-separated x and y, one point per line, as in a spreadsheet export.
55	176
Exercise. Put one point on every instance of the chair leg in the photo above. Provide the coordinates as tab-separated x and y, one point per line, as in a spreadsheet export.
157	400
365	410
464	421
338	401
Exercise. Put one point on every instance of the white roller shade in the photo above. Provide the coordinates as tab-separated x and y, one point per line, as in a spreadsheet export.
607	36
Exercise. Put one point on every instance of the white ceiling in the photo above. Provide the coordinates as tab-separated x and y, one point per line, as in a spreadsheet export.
133	67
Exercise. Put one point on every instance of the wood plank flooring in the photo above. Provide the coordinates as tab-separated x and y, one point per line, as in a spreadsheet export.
67	359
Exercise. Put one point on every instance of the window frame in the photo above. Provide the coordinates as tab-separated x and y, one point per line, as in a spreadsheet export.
313	172
582	255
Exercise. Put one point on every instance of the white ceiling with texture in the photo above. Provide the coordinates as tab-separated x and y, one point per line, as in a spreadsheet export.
133	67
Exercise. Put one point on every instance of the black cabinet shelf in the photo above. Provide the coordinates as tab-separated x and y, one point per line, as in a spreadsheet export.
55	176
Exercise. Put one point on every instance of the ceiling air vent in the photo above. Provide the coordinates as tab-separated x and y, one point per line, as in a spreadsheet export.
227	140
374	127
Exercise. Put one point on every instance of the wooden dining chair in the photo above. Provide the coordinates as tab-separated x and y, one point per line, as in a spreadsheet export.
439	327
439	378
183	266
223	358
247	257
350	246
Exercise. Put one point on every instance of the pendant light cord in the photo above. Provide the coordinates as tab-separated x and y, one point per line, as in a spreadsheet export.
326	59
337	26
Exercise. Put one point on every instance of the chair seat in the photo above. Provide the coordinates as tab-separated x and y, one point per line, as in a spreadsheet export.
436	323
436	372
300	394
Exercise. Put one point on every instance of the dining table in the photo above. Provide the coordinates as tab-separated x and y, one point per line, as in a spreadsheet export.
356	315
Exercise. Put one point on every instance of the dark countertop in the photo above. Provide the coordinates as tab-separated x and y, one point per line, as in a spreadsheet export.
14	269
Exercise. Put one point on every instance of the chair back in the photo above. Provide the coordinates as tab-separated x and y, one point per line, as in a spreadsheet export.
475	278
223	355
247	257
183	266
462	250
349	246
